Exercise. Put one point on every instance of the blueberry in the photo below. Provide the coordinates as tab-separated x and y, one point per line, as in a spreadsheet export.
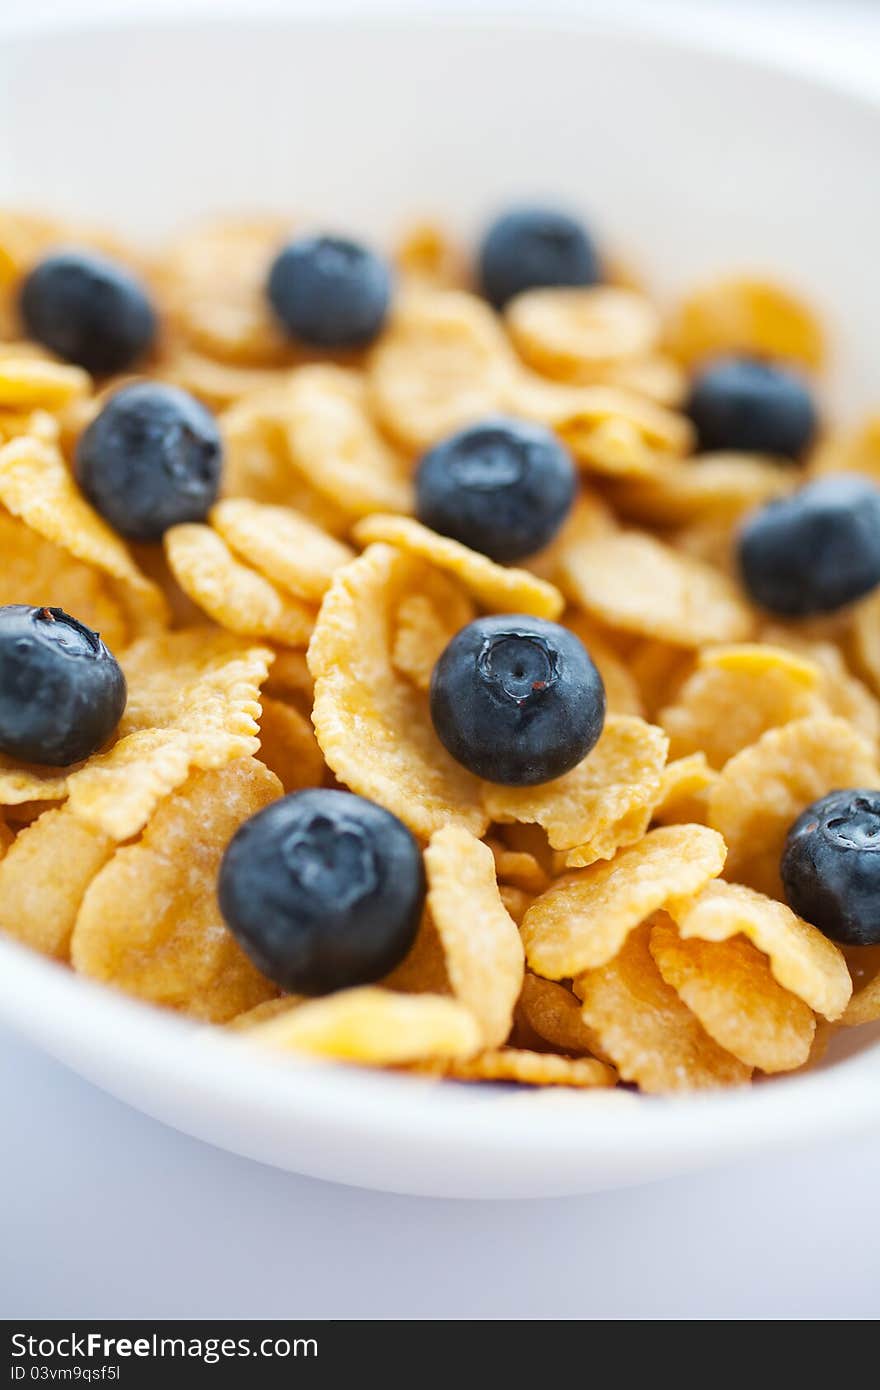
528	248
502	487
517	700
831	866
88	310
816	551
751	406
323	890
330	293
62	692
150	459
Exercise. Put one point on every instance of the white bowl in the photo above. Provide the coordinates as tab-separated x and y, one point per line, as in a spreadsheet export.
686	162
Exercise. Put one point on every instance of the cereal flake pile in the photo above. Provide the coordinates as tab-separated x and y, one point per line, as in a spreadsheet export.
623	921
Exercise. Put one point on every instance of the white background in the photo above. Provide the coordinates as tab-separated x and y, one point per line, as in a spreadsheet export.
104	1213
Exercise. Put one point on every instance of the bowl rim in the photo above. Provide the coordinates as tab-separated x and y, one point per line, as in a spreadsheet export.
70	1016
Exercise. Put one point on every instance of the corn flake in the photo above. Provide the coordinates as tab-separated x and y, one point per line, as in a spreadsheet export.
685	785
636	583
425	623
762	790
376	1027
730	988
43	878
287	548
584	919
603	803
484	953
803	960
374	728
711	485
746	316
570	332
642	1024
150	923
527	1069
554	1014
31	383
288	746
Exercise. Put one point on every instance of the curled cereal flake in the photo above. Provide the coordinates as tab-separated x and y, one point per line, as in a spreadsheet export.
651	1036
43	877
516	901
497	588
443	362
288	746
636	583
231	593
730	988
374	728
864	967
609	431
583	920
36	485
658	377
376	1027
554	1015
685	785
423	969
621	688
843	693
518	867
425	623
803	960
337	447
603	803
735	695
213	282
710	485
29	383
193	701
589	517
262	1013
763	789
481	943
427	257
568	333
740	314
659	671
23	782
150	923
286	547
528	1069
856	451
216	384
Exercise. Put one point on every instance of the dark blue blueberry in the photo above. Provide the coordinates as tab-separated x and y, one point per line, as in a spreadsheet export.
816	551
151	459
502	487
528	248
831	866
323	890
330	293
62	692
740	404
517	700
88	310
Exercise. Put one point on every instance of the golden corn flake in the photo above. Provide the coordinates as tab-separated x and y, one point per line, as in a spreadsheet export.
610	431
425	623
554	1014
495	587
335	444
658	377
30	383
288	746
843	693
866	638
853	451
233	594
423	968
621	688
527	1069
603	803
803	960
744	315
373	726
287	548
568	333
443	362
864	1006
484	953
193	701
643	1026
518	867
376	1027
659	670
762	790
36	485
150	923
583	920
724	484
425	256
685	785
735	695
290	679
43	877
730	988
636	583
